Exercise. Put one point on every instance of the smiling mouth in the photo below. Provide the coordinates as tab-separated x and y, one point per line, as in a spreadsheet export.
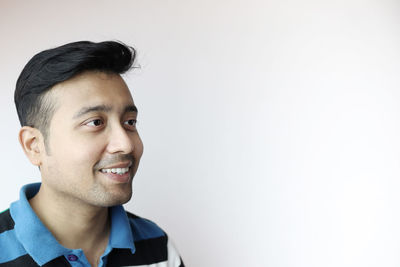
120	171
117	175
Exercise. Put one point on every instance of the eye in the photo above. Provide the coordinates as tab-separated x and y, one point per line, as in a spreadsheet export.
131	122
95	123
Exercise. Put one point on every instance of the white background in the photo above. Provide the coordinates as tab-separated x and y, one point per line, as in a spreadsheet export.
271	128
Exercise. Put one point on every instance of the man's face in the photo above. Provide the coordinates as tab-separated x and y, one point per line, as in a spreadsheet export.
94	148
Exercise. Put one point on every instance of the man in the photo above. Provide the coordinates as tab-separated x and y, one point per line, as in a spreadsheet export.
79	127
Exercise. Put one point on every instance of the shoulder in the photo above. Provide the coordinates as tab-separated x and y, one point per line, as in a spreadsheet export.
12	250
143	228
148	234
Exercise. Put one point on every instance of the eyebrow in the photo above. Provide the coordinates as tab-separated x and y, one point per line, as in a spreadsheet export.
102	108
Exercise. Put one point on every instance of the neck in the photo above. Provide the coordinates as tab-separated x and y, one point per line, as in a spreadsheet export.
74	225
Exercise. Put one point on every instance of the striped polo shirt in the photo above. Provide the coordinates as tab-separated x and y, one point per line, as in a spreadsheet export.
133	241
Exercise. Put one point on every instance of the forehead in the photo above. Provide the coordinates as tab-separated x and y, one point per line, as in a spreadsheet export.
91	89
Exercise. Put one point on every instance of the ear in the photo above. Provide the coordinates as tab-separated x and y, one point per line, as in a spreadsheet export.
31	141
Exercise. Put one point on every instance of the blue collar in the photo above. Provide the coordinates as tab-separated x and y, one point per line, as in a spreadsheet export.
30	231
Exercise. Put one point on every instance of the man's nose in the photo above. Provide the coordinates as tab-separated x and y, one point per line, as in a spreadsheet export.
119	140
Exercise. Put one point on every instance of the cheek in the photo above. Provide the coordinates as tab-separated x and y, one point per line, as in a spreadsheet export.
77	154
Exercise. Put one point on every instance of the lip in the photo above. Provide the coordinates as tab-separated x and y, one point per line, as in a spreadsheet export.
124	178
118	178
125	164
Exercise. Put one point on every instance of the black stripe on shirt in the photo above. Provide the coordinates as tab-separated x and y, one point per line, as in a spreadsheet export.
148	251
27	261
24	260
6	222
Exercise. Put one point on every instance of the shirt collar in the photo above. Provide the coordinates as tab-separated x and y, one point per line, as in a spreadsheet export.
30	231
121	233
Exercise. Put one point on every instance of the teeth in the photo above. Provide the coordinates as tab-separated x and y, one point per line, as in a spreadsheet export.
116	170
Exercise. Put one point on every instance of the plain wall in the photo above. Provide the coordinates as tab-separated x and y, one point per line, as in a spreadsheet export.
271	128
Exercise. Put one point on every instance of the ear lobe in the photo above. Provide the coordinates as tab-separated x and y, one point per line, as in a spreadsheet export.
30	139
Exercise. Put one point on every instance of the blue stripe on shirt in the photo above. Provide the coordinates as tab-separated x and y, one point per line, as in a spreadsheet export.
9	249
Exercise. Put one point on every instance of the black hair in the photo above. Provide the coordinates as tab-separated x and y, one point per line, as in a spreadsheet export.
59	64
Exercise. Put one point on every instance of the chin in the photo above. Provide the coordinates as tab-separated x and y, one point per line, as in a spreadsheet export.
109	199
119	200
